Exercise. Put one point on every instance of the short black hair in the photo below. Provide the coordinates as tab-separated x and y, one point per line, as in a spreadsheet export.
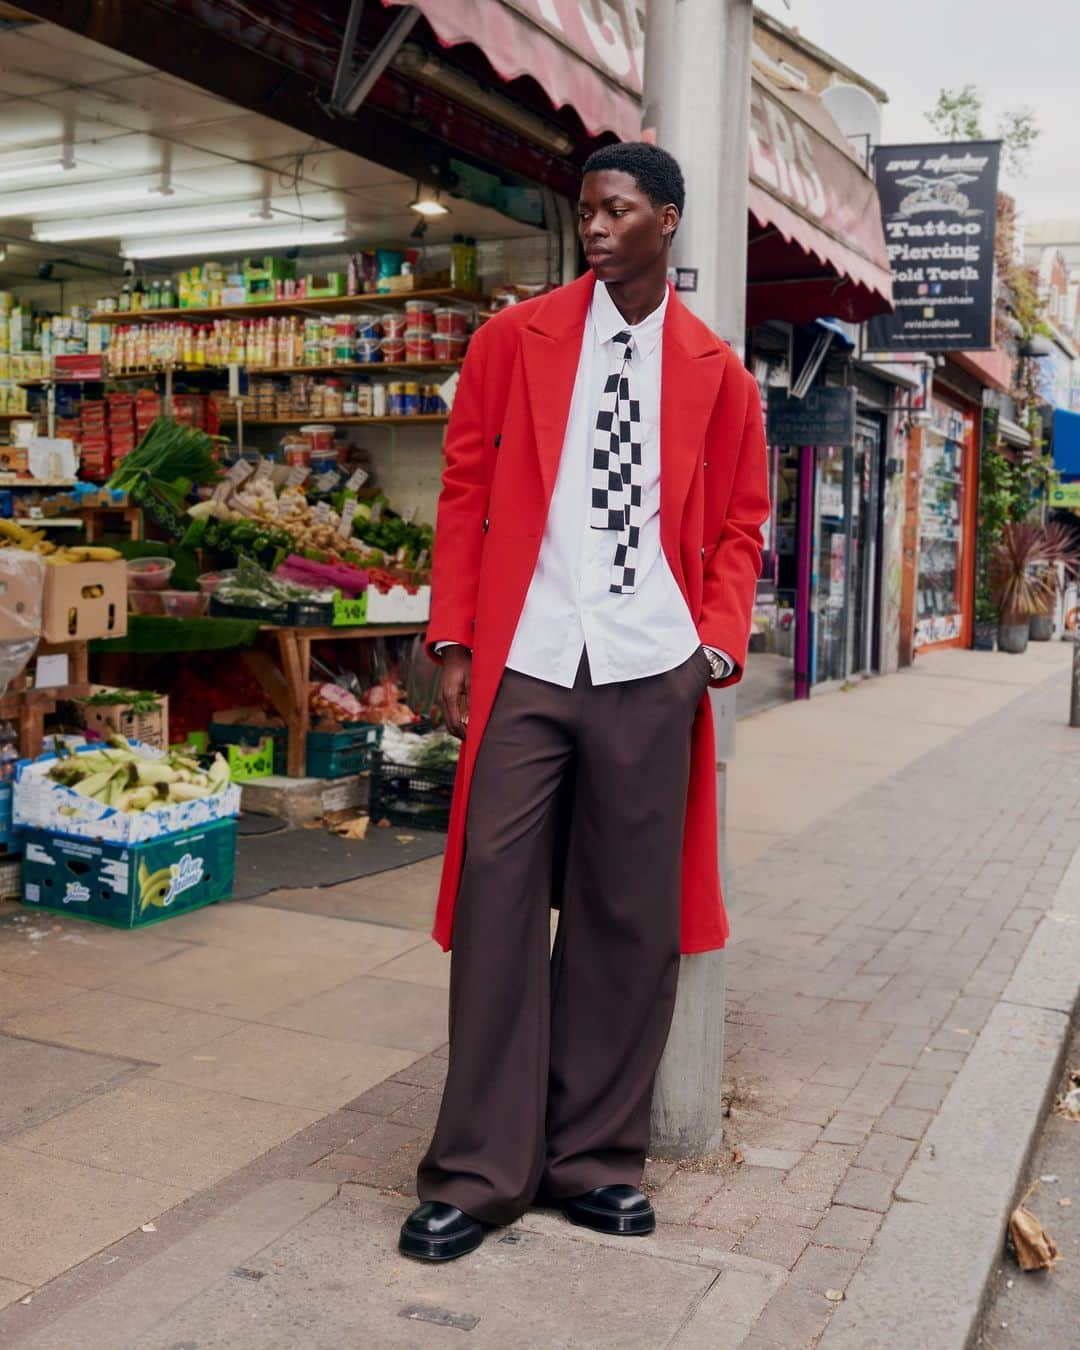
656	172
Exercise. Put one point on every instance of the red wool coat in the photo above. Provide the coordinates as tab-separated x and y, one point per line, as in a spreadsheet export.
503	447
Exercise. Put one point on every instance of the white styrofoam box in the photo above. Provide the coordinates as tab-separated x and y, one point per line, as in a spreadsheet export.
43	804
398	606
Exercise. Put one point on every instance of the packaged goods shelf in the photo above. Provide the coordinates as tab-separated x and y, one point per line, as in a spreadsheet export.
307	419
352	367
341	304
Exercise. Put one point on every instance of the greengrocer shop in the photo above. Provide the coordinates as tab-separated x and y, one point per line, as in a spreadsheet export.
242	253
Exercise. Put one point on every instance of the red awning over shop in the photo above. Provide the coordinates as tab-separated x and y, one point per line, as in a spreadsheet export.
585	56
816	245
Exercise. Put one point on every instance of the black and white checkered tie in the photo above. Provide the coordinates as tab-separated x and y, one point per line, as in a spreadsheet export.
617	468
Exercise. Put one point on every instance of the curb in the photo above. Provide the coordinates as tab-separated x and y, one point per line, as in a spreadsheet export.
924	1280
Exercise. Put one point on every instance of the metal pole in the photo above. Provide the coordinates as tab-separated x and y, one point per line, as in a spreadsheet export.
1074	697
697	100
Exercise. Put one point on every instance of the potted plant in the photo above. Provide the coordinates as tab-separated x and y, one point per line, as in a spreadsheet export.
1060	558
1018	585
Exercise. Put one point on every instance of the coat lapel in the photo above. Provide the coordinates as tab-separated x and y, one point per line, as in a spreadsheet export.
693	366
551	346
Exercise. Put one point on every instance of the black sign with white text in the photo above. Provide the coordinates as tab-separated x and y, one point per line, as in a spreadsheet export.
826	416
938	206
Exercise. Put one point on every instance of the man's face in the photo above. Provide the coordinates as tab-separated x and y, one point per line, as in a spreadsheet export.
622	231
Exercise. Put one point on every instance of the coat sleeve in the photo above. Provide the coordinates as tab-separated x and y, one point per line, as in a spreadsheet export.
463	503
731	572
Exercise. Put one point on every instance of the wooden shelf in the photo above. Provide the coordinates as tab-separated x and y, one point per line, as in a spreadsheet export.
9	480
421	418
341	304
18	416
50	522
352	367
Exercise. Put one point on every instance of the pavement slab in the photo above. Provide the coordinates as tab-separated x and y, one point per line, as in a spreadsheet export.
111	1023
336	1279
160	1131
291	1068
39	1080
57	1212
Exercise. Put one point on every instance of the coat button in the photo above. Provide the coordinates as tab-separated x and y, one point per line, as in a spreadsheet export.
703	551
488	522
705	464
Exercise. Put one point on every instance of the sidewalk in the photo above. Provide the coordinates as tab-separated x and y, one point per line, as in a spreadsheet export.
257	1081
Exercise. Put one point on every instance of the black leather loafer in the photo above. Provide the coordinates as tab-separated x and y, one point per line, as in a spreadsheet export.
438	1232
612	1209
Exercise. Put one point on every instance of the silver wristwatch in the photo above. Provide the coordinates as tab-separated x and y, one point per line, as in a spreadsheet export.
716	664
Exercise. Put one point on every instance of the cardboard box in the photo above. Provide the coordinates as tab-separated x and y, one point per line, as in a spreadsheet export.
129	886
109	719
398	605
42	804
72	611
13	459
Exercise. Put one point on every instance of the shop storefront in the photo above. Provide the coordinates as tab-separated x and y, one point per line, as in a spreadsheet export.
816	266
226	368
942	493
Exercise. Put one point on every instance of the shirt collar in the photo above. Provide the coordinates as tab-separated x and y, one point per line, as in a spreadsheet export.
607	321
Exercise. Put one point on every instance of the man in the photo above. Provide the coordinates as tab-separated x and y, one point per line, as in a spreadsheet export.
596	552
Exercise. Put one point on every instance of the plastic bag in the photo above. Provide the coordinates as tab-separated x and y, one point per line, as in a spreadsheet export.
22	585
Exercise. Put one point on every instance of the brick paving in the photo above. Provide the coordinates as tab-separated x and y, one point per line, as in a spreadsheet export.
869	952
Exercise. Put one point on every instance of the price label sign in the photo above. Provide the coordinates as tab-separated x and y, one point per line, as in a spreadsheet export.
357	480
376	513
240	472
409	514
263	469
326	482
322	513
297	476
348	513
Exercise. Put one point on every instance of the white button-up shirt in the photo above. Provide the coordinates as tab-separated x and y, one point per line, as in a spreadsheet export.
570	606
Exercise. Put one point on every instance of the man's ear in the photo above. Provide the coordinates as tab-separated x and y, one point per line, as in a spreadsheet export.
670	221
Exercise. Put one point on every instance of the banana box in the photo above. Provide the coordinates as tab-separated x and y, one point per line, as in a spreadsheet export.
40	803
129	886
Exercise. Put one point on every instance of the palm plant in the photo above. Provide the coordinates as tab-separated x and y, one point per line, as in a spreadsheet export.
1058	551
1019	585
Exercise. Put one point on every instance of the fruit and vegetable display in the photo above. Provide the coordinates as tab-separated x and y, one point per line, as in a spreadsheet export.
250	587
127	779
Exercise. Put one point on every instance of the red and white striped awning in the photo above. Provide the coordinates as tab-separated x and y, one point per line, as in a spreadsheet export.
585	54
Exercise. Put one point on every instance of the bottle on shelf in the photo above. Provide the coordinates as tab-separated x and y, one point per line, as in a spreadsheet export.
138	295
124	303
458	256
168	293
472	266
154	295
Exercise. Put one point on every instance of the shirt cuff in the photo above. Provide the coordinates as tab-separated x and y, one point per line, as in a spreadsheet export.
726	660
440	647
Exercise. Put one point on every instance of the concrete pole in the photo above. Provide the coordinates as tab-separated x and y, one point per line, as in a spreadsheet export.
697	101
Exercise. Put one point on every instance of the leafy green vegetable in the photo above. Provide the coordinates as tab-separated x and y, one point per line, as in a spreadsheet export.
168	452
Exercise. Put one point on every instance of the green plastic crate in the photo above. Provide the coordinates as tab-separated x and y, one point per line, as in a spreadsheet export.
333	754
231	733
350	613
248	764
107	883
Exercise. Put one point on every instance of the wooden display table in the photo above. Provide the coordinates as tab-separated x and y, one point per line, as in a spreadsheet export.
287	683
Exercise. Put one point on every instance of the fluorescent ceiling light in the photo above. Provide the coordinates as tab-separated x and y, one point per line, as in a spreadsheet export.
234	241
429	206
89	196
413	61
160	223
50	168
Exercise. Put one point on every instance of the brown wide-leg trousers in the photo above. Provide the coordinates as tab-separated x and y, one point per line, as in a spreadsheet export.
552	1061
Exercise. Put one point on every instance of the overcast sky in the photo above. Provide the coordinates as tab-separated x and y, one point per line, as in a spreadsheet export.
1016	52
